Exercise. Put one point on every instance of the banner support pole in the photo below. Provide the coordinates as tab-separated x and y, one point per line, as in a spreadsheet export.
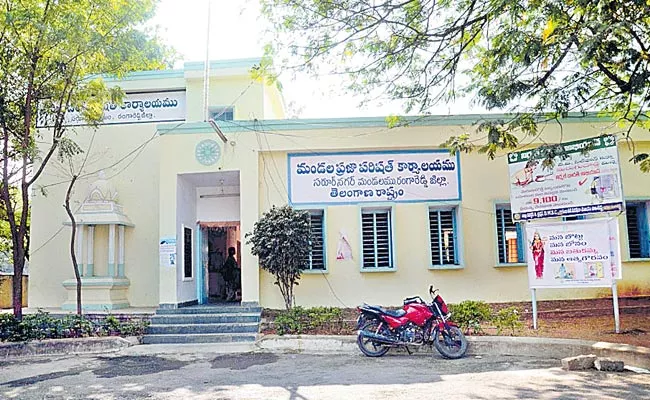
533	293
617	320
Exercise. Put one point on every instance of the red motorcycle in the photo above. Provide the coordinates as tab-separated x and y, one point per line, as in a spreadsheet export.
416	324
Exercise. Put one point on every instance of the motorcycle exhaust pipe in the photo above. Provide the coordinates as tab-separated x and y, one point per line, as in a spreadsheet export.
378	338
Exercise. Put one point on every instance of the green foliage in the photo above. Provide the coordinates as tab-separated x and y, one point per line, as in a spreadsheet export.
281	240
42	325
537	60
469	315
507	318
300	320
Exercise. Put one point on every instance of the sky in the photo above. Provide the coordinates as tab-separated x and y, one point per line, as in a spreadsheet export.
237	31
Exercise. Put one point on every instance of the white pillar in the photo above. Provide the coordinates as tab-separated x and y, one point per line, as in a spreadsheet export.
111	250
78	252
120	251
90	266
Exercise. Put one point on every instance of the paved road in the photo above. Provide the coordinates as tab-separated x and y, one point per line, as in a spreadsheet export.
199	375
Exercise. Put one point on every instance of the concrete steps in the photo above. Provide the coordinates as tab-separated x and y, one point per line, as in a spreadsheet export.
204	324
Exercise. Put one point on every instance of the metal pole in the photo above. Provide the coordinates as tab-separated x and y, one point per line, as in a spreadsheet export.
534	297
617	320
206	69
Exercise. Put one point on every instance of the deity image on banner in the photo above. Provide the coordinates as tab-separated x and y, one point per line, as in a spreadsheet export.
537	248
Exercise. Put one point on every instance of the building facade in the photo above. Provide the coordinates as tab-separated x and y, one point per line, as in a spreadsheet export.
190	190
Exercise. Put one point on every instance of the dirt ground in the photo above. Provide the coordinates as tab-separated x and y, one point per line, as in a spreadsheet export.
572	319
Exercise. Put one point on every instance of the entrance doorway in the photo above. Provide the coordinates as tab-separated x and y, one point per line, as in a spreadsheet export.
222	252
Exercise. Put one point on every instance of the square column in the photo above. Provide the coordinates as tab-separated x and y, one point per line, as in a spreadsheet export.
78	252
111	250
90	266
120	251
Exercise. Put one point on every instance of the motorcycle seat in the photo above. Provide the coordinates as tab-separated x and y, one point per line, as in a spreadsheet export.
396	313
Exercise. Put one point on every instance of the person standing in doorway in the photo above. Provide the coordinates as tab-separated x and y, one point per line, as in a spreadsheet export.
231	274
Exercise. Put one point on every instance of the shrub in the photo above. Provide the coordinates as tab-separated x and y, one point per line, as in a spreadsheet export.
44	326
508	318
469	315
300	320
281	239
8	325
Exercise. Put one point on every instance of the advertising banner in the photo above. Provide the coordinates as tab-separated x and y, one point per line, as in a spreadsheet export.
141	108
363	177
586	181
572	254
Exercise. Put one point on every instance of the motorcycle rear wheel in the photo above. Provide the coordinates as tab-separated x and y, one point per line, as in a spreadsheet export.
450	342
368	346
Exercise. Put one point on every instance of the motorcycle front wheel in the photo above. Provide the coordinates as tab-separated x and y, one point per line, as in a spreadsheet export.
450	342
368	346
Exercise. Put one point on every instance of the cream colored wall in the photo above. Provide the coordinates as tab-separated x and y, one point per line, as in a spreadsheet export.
135	177
177	151
246	98
483	183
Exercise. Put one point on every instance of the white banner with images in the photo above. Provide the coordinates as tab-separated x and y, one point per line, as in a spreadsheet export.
572	254
586	181
344	178
167	251
167	106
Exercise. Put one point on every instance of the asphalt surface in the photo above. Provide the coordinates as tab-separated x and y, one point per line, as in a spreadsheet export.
200	375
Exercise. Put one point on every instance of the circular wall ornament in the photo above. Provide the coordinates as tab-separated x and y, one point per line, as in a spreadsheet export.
207	152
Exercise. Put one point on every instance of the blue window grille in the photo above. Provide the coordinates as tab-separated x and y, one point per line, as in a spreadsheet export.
222	113
376	233
316	259
511	241
636	215
443	234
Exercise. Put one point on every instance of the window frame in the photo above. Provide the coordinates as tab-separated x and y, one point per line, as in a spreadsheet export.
313	211
646	204
223	110
524	263
191	277
391	239
458	234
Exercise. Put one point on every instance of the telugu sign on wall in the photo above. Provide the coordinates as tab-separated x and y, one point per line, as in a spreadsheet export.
147	107
340	178
573	254
581	183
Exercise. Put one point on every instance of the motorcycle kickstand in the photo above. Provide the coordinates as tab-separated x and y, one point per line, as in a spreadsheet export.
408	350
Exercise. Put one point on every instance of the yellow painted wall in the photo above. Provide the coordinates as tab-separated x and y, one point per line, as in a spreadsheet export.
134	162
144	167
484	183
6	291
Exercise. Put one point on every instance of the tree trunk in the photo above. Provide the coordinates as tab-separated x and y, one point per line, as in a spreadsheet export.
73	239
19	264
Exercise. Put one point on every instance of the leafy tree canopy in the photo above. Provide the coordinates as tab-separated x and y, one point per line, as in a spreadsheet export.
536	59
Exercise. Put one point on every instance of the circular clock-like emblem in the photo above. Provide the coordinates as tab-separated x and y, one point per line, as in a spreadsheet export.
207	152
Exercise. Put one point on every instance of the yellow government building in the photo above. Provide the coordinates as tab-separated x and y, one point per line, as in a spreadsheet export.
164	195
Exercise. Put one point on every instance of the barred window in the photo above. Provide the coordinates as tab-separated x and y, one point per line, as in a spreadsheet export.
443	236
638	238
511	243
316	259
376	229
